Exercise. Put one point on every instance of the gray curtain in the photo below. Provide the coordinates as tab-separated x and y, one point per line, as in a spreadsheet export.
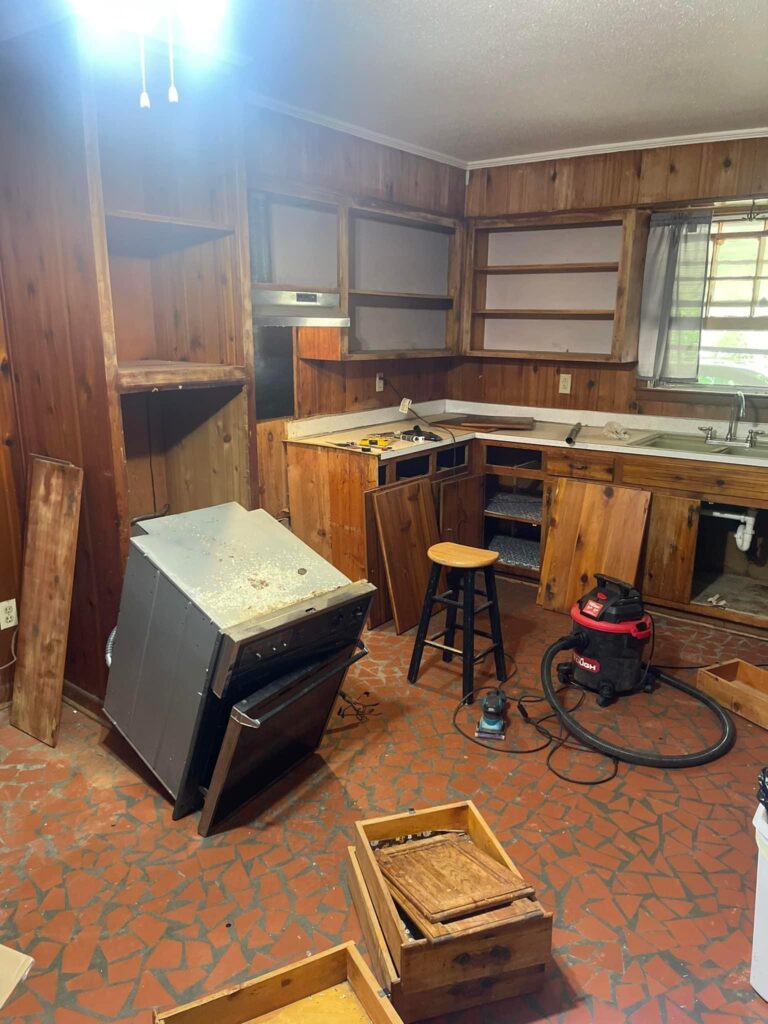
674	292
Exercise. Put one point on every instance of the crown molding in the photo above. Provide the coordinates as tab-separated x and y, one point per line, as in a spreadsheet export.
258	100
620	147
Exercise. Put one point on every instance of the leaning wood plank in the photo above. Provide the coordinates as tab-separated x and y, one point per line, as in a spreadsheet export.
592	528
407	527
46	595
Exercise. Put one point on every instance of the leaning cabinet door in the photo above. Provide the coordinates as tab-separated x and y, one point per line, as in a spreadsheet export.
461	510
671	548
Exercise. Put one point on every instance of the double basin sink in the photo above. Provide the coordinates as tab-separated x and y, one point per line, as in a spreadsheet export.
698	446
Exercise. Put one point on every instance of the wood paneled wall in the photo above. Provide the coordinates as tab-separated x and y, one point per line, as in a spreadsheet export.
10	511
53	319
324	387
670	174
285	151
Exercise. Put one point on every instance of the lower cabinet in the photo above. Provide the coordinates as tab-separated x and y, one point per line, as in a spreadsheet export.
670	550
461	504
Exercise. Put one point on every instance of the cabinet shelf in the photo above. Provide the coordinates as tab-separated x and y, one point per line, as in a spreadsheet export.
148	235
160	374
515	508
517	554
545	314
401	300
550	268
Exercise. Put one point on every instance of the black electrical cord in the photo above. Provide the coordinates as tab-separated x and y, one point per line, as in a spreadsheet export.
589	739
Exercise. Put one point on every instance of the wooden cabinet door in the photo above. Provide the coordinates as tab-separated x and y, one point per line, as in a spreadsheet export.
462	507
670	550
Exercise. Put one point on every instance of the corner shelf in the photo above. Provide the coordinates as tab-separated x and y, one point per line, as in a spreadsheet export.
550	268
163	375
402	300
148	235
515	508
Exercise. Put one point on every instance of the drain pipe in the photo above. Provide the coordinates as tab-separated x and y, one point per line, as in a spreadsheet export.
745	531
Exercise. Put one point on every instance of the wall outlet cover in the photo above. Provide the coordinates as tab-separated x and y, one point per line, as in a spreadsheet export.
8	615
564	386
379	381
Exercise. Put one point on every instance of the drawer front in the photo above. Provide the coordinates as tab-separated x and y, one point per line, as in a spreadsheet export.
696	478
581	465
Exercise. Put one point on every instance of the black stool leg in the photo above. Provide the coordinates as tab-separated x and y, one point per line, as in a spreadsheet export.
454	587
493	614
468	635
426	613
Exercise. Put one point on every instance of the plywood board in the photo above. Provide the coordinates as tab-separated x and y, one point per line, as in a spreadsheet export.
407	528
46	596
14	967
592	528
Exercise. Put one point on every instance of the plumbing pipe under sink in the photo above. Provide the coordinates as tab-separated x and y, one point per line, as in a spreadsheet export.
745	531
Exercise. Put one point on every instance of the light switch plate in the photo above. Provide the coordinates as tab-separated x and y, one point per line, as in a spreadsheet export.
379	381
564	386
8	615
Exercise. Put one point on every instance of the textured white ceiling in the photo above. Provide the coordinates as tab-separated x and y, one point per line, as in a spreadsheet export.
482	79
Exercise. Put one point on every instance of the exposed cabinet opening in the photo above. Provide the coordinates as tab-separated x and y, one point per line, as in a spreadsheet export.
517	458
407	468
274	372
451	458
513	523
722	571
185	449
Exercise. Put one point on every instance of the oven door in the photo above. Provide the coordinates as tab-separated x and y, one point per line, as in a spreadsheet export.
270	732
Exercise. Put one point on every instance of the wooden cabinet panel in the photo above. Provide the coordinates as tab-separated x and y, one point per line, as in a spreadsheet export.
581	465
698	478
461	510
671	548
592	529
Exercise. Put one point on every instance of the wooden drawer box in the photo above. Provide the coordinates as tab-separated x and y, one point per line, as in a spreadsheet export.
336	985
471	967
581	465
739	687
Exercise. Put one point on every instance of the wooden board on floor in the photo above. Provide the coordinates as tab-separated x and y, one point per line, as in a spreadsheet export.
46	595
407	527
592	528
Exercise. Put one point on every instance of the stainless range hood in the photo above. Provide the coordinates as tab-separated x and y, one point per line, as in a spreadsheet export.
276	308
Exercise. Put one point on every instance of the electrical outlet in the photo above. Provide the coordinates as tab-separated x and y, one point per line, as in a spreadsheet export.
379	381
564	387
8	616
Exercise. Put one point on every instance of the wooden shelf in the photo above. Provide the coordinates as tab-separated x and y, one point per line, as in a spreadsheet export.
270	286
147	235
512	519
402	300
550	268
524	474
159	375
545	314
551	357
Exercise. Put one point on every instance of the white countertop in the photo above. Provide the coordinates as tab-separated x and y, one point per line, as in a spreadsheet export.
550	429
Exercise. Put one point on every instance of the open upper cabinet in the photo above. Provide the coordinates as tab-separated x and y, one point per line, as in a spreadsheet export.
174	230
394	273
563	287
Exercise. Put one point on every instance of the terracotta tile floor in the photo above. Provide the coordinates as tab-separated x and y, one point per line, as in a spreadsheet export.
651	876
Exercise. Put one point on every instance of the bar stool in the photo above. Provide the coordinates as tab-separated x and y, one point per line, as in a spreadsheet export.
462	563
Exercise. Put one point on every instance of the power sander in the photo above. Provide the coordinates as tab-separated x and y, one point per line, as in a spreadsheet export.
492	707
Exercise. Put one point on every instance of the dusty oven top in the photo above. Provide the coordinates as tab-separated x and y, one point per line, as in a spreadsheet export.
236	565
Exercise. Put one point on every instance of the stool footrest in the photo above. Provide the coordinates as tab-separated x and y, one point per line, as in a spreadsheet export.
444	599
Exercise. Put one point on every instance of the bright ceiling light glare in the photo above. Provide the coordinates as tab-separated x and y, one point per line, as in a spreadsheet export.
196	22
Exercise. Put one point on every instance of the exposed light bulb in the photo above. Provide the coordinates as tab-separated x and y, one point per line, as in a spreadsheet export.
144	103
173	94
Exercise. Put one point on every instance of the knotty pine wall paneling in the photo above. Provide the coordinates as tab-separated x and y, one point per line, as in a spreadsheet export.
53	318
284	151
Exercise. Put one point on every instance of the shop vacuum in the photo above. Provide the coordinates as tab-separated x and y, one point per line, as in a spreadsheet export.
610	630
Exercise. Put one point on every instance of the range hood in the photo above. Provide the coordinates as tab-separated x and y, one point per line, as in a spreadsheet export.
278	308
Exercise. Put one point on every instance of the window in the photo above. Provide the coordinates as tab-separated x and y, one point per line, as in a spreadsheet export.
733	351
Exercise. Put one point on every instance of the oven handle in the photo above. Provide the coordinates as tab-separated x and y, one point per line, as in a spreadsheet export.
255	723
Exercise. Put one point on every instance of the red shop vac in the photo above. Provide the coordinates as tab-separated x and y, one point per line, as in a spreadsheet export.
609	633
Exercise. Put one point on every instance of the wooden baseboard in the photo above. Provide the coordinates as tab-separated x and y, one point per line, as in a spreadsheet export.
84	702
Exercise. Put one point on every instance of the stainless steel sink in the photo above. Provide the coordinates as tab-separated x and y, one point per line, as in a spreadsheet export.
698	446
683	443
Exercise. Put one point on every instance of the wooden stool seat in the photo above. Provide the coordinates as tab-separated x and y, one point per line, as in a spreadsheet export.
462	564
461	556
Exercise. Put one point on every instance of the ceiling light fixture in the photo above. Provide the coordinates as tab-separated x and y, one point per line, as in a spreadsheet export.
195	23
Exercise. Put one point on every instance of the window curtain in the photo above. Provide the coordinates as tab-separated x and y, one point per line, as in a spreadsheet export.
674	293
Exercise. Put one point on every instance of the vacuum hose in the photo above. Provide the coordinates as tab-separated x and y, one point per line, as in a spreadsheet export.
722	746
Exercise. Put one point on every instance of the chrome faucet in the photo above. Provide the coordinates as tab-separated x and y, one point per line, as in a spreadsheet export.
738	411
